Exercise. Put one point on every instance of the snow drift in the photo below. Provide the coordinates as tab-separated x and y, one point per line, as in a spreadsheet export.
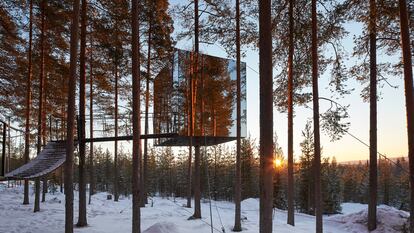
389	220
162	227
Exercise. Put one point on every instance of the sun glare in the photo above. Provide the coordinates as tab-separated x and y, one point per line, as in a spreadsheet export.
277	162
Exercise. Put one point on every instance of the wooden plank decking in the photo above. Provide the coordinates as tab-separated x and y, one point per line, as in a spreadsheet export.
50	158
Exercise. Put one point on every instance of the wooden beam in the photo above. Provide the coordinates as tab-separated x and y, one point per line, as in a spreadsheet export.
129	137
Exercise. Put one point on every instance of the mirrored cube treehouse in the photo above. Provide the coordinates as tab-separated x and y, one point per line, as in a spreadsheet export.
208	93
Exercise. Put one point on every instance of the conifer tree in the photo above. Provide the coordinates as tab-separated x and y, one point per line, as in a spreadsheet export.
332	190
305	180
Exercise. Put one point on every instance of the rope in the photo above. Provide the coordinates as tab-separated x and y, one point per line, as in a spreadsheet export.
367	145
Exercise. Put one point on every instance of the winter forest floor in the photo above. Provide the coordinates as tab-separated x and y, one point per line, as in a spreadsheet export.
167	216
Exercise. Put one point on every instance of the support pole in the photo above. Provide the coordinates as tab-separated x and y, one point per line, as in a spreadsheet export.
3	153
197	193
37	195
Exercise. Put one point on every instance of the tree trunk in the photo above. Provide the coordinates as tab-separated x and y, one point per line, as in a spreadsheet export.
136	122
71	119
316	128
191	107
28	105
372	204
266	117
91	167
44	128
37	195
116	195
61	180
191	96
237	181
409	97
291	191
44	188
147	96
82	221
197	192
41	108
7	168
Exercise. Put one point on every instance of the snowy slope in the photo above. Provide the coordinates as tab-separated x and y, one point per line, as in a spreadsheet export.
167	216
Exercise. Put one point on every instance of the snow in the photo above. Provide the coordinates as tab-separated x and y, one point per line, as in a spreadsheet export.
349	208
162	227
169	216
389	220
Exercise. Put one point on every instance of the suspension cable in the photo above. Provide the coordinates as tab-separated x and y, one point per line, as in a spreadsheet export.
365	144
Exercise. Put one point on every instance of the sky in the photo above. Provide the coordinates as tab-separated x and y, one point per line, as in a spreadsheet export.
392	134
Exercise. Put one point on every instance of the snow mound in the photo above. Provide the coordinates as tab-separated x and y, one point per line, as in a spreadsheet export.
250	204
350	208
162	227
389	220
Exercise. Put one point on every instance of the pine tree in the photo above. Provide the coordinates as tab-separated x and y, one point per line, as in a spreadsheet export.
305	194
332	190
249	175
279	181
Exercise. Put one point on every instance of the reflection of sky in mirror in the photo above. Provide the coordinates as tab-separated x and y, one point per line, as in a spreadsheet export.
243	104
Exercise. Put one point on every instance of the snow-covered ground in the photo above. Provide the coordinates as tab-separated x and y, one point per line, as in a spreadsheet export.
167	216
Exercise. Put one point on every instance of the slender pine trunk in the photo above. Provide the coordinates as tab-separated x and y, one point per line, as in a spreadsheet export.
409	97
82	217
237	181
136	122
316	128
37	195
28	105
197	192
44	188
291	191
373	181
116	194
40	110
74	36
194	77
266	117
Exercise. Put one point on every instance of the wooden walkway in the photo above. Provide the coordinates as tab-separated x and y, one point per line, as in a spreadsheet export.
50	158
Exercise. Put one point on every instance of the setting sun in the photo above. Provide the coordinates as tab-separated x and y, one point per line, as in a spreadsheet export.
277	162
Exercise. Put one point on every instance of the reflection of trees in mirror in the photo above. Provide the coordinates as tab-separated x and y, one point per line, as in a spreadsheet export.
213	97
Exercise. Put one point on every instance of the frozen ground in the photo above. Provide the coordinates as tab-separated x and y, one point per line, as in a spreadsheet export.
167	216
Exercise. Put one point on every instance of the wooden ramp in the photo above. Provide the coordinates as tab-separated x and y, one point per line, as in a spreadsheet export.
50	158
